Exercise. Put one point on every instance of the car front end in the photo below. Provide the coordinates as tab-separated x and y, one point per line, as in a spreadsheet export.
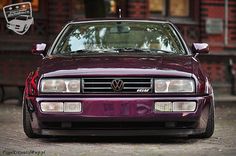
109	94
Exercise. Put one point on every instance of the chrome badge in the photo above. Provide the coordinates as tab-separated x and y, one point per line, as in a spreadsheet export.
117	85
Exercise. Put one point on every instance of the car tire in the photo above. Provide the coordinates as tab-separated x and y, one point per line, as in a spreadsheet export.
20	97
26	123
210	125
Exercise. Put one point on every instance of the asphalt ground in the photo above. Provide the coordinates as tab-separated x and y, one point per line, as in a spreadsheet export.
14	142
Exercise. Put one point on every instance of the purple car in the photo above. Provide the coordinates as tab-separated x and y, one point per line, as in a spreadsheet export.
119	77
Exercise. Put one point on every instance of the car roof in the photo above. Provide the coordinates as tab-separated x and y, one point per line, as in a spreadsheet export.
90	20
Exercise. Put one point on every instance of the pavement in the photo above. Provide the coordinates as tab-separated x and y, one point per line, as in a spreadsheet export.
14	142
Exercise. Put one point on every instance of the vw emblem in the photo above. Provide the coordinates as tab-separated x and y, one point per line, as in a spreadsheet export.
117	85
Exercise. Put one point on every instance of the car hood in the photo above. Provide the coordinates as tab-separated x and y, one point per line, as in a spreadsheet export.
116	66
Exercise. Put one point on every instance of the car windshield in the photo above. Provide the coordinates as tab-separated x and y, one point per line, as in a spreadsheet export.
119	37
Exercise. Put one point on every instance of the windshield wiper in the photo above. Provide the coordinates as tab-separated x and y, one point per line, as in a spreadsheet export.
80	51
87	51
75	52
117	51
162	51
131	50
143	50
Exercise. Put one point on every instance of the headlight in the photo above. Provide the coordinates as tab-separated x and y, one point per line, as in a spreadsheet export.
60	86
174	85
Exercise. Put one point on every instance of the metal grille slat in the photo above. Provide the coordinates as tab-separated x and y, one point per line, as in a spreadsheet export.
136	82
134	88
130	85
98	88
97	83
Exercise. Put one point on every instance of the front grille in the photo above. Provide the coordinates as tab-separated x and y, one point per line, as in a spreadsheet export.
104	85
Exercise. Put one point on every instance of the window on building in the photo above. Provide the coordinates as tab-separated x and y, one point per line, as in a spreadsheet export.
170	8
157	6
111	7
78	8
179	8
34	3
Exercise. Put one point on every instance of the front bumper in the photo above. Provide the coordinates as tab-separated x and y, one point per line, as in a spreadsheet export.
112	116
166	132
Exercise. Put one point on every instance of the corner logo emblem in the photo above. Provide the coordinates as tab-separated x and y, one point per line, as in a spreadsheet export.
19	17
117	85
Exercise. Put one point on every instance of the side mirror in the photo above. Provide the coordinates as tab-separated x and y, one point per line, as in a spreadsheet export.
200	48
39	49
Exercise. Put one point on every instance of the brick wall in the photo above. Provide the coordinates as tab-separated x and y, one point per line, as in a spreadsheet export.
216	9
59	13
137	8
232	24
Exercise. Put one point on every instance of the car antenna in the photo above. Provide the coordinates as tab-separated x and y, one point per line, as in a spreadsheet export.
119	13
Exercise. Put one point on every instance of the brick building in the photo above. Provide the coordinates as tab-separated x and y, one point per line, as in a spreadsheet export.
211	21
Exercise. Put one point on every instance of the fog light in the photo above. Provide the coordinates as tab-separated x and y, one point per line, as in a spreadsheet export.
72	106
164	106
52	106
188	106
